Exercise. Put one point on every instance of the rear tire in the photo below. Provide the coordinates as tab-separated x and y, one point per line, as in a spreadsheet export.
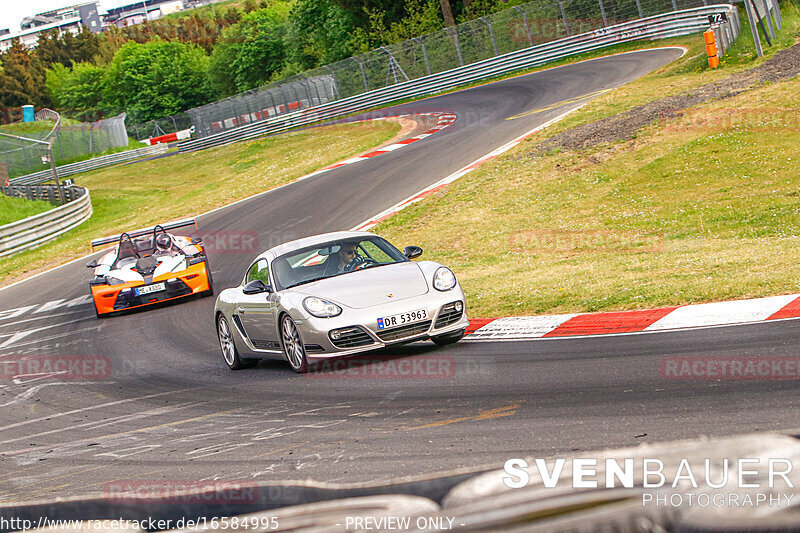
293	347
230	354
448	338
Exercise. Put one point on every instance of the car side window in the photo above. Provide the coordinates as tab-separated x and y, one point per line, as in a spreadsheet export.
258	270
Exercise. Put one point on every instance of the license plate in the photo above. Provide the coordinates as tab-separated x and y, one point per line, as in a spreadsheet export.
402	319
147	289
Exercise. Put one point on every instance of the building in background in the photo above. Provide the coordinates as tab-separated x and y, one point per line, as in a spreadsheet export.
138	12
70	19
66	19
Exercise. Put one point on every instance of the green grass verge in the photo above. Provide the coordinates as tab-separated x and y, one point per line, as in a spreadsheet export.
13	209
700	208
142	194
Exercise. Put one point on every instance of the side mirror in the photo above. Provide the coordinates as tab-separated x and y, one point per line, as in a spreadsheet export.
197	240
412	251
92	264
256	287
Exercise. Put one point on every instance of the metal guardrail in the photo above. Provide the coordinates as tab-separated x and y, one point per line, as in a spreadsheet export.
90	164
655	27
38	229
46	193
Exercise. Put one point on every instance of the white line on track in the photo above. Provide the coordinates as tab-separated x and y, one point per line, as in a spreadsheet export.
90	408
82	311
22	334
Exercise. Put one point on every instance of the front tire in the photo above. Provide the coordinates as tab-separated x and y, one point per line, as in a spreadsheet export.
448	338
230	354
293	347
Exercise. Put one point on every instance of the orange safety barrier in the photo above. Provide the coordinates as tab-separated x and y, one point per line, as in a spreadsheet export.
711	48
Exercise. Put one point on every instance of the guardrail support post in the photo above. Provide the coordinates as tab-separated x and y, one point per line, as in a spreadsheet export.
674	5
525	21
55	172
751	18
778	14
768	16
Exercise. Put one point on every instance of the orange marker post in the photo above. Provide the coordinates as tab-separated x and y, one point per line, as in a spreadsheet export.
711	48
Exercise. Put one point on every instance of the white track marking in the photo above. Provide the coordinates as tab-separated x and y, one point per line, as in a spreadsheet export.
520	328
22	334
719	313
8	325
33	390
90	408
14	313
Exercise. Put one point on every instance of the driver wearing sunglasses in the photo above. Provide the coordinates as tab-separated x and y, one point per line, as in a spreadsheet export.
344	260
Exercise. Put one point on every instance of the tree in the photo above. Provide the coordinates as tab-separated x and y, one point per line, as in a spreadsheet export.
320	32
156	79
251	51
447	13
77	93
22	80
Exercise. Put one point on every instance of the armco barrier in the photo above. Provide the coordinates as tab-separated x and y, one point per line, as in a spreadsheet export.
656	27
38	229
90	164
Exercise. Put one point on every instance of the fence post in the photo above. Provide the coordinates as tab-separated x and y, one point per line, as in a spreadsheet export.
454	35
674	5
491	33
424	53
336	94
525	22
639	8
603	12
363	74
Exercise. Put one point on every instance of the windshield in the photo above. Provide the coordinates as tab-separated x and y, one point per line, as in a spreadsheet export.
333	258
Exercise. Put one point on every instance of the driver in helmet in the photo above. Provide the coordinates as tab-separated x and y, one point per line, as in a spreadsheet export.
163	244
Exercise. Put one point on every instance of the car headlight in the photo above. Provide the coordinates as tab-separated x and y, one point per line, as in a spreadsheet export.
444	279
321	308
113	281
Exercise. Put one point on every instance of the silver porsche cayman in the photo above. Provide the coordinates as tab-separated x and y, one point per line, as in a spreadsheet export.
333	295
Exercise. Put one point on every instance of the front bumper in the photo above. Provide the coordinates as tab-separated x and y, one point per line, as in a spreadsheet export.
359	329
111	298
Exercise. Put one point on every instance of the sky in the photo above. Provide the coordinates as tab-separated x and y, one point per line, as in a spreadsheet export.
13	11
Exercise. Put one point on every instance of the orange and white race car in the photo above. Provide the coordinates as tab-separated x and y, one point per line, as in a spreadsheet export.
148	266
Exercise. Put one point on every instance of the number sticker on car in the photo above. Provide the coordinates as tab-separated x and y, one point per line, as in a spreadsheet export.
147	289
402	319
